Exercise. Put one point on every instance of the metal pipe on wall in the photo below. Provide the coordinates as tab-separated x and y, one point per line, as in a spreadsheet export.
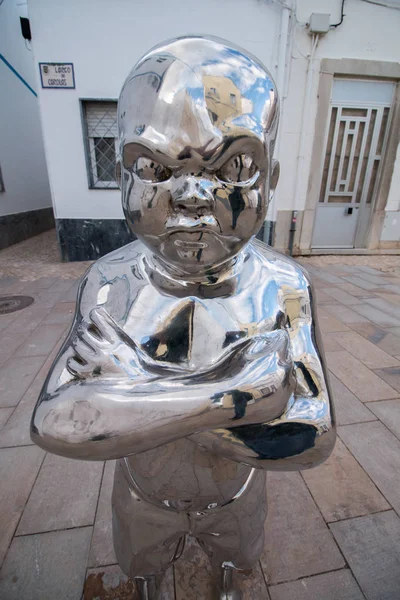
280	83
303	137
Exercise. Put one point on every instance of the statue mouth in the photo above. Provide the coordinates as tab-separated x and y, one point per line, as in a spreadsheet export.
185	239
191	244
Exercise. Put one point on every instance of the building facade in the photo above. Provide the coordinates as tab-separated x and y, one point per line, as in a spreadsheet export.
338	76
25	199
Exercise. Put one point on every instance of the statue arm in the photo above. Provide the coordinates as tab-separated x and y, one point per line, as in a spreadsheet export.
105	418
304	435
101	401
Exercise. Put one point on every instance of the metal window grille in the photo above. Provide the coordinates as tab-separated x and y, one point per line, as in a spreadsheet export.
356	142
101	142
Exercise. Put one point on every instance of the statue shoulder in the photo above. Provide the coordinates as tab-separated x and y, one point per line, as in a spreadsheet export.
284	269
123	269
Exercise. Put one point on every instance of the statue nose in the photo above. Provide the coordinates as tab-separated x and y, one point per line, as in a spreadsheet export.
193	194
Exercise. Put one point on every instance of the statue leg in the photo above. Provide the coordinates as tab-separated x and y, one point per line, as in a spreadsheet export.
233	536
147	538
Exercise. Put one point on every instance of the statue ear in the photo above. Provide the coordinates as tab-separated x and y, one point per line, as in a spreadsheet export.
274	177
118	170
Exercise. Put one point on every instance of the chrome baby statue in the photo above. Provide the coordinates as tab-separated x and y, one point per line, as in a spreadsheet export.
194	357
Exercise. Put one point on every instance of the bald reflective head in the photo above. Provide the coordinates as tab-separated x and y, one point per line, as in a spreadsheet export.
194	91
197	122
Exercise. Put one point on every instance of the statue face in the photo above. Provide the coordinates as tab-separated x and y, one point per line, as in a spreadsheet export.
195	162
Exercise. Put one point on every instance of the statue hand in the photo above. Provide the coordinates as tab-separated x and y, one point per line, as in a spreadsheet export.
102	348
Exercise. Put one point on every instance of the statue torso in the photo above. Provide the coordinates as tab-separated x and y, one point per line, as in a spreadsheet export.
188	334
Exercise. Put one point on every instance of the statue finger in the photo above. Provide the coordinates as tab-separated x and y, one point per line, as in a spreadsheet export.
84	349
91	342
105	324
77	367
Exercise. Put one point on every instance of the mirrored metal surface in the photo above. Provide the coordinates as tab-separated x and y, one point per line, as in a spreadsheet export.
194	357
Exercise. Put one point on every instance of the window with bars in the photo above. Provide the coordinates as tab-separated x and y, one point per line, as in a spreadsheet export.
100	121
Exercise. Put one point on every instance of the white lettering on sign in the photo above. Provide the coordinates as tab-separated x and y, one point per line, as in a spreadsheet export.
57	75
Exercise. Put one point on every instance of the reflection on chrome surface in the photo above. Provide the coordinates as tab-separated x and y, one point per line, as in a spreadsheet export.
194	357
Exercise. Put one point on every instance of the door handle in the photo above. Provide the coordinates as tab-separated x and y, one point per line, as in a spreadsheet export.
349	211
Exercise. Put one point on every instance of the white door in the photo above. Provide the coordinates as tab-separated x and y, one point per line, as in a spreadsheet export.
355	143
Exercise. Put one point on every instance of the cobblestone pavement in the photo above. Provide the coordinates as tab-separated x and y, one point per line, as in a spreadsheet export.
332	533
36	258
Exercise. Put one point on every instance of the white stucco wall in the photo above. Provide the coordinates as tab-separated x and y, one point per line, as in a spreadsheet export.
368	32
22	156
391	225
393	201
104	39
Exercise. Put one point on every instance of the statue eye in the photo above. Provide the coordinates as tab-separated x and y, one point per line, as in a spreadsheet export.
238	169
150	170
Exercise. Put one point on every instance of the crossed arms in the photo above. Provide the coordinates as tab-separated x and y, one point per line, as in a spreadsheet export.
103	399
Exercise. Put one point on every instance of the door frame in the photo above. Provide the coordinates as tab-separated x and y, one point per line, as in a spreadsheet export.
354	69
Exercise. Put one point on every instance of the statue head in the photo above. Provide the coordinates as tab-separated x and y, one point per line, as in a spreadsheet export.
197	120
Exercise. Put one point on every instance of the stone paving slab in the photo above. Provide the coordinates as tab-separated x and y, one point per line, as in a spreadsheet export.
390	297
328	323
302	559
322	297
371	546
102	550
16	375
378	452
64	495
18	470
337	585
5	414
393	289
10	342
42	341
16	431
46	566
342	489
71	295
384	339
6	320
341	296
391	375
354	290
344	314
384	306
376	279
359	282
289	553
348	407
329	343
358	378
376	315
28	319
62	313
45	299
371	356
388	411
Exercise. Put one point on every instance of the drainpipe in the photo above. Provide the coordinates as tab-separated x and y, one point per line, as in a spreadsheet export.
303	137
280	84
292	231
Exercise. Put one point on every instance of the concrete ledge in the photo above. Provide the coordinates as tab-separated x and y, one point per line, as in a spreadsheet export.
360	67
21	226
347	251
